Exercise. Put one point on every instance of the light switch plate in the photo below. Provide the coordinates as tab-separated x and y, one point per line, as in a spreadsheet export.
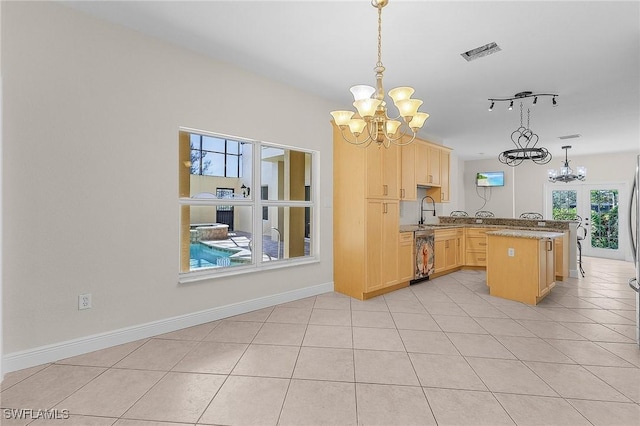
511	252
542	223
478	220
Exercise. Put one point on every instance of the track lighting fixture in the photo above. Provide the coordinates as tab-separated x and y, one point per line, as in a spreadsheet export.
523	95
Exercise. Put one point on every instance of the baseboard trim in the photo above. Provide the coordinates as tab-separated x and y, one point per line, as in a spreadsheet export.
57	351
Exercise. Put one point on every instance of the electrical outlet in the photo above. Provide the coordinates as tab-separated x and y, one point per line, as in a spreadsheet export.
478	220
84	301
542	223
511	252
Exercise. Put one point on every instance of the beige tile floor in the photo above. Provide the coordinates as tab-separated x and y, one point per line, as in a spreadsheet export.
441	352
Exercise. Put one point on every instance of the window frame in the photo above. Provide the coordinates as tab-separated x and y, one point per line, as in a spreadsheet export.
255	202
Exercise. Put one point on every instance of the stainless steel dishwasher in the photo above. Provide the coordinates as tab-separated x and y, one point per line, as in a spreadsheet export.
423	265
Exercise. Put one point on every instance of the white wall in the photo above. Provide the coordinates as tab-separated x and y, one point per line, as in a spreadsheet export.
91	120
524	184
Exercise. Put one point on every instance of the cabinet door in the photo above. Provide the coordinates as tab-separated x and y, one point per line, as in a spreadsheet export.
451	253
383	172
382	244
391	173
408	186
459	251
422	163
445	158
439	255
405	257
433	172
389	254
374	244
546	266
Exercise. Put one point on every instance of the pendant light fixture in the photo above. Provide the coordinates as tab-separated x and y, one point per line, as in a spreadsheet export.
526	145
565	174
372	123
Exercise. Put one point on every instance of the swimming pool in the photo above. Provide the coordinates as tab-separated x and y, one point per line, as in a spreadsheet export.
204	256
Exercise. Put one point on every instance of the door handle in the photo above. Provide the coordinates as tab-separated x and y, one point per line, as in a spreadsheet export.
632	239
634	287
385	190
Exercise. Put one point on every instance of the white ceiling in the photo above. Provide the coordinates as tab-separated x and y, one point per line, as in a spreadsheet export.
587	52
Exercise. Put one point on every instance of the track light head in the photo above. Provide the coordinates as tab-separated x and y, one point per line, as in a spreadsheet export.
491	107
511	106
554	101
535	100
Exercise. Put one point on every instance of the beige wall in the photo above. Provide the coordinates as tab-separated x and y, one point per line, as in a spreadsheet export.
524	184
90	153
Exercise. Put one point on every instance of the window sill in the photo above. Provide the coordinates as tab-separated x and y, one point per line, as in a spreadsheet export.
214	273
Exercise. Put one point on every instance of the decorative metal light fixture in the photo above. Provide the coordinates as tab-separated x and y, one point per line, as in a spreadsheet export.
565	174
372	124
523	137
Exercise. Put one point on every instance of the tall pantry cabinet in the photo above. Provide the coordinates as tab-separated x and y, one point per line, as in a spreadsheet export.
366	218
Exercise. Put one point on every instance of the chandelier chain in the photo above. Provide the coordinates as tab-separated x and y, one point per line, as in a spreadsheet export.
520	114
379	64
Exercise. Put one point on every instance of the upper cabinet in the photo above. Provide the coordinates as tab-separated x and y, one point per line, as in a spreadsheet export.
383	172
425	164
408	186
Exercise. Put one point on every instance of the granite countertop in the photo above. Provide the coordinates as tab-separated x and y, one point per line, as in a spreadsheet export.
413	228
520	233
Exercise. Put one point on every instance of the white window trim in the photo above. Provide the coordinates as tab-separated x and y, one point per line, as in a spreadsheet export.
256	205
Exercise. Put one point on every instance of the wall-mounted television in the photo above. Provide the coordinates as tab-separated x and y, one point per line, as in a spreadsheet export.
488	179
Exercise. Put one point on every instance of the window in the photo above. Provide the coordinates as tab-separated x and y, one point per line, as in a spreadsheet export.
213	156
225	227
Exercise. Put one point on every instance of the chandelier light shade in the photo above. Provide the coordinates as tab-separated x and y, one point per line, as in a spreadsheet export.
565	174
372	123
524	139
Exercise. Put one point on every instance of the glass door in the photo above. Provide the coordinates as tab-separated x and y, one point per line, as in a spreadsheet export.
599	208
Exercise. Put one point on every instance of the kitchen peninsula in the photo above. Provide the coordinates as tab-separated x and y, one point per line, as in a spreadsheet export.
520	264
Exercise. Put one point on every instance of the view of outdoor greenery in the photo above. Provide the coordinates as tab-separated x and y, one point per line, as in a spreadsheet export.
604	214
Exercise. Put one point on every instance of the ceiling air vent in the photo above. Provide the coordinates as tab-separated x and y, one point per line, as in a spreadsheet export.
481	51
570	136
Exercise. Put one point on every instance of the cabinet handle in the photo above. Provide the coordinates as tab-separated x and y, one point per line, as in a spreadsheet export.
384	208
549	245
446	244
385	190
482	258
482	244
402	193
430	178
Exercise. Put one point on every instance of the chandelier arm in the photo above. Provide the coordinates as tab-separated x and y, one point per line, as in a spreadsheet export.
356	142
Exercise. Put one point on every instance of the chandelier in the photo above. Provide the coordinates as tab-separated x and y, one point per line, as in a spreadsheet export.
565	174
524	139
372	124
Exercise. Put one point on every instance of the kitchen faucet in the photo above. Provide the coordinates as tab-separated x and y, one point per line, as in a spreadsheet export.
422	210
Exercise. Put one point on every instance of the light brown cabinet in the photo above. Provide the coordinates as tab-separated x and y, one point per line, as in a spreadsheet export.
520	269
428	165
476	246
381	251
365	219
382	171
405	257
448	245
561	250
408	185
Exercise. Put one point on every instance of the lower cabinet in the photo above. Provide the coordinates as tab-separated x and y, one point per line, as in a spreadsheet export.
562	256
382	244
448	249
476	246
405	257
520	269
